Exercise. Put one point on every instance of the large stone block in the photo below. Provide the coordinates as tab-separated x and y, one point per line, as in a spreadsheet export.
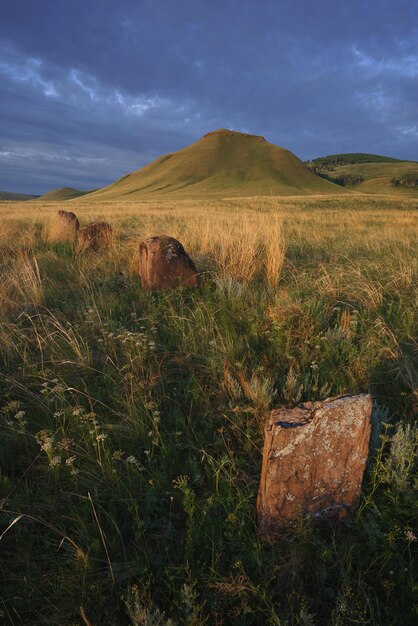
95	236
313	461
164	264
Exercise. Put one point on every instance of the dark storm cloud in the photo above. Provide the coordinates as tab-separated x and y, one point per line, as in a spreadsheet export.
91	90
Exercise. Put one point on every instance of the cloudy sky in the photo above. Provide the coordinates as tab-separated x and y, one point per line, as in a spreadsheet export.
92	89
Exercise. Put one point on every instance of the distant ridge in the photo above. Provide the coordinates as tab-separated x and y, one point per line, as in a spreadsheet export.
222	163
63	193
10	195
369	173
351	159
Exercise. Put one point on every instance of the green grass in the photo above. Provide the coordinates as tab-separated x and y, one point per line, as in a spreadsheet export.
222	163
131	426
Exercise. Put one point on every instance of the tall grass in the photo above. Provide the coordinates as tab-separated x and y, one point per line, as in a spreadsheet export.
21	281
131	421
58	229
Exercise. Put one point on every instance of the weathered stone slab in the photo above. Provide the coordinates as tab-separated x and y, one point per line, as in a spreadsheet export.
314	458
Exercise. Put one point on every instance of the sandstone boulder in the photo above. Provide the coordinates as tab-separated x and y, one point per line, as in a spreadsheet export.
95	236
314	458
164	264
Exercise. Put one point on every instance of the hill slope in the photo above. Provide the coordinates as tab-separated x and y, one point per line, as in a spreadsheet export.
369	173
222	163
63	193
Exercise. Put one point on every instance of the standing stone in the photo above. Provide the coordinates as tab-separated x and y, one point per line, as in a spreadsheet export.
313	461
95	236
70	218
164	264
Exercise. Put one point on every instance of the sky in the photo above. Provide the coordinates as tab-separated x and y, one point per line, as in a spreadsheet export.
93	89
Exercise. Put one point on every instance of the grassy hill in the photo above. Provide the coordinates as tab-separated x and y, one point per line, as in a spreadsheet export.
222	163
63	193
369	173
9	195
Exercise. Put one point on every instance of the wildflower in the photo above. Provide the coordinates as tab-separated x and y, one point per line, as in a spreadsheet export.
70	460
342	606
20	414
101	437
410	536
117	455
134	461
56	460
77	411
45	441
65	443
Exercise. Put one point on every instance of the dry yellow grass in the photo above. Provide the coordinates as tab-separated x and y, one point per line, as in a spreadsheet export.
58	230
242	238
21	281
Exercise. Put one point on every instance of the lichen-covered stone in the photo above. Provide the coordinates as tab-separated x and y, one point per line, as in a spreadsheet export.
164	264
313	461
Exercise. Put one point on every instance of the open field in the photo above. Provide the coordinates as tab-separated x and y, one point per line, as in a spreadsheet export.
131	421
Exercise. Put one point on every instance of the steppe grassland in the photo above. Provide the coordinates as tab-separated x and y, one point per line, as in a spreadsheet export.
238	236
132	420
